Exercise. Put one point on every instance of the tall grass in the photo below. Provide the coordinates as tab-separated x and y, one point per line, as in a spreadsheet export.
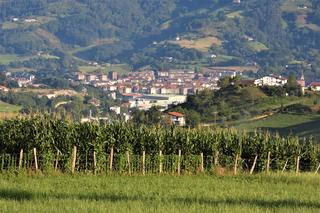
261	193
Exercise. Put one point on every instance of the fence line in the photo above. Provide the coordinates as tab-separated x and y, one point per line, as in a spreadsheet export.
127	163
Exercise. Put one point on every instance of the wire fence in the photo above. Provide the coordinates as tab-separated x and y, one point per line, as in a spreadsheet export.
127	163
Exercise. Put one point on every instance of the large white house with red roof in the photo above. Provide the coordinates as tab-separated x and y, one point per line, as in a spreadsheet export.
315	86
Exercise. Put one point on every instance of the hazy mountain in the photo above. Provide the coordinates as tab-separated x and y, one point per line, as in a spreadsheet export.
272	33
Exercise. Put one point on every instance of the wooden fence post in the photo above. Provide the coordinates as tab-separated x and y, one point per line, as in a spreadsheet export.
74	158
235	169
2	163
128	161
254	164
317	169
94	162
20	158
268	162
179	162
160	162
216	158
57	160
35	159
298	165
285	166
202	162
143	162
111	159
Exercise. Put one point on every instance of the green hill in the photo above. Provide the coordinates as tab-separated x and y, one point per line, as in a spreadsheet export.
255	108
272	33
5	107
286	124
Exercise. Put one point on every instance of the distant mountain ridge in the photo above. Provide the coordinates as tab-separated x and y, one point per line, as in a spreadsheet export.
276	34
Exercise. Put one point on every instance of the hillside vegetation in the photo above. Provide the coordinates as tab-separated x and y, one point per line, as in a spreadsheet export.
284	110
286	124
143	32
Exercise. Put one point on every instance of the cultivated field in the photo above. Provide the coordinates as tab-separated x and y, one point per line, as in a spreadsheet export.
201	44
260	193
123	168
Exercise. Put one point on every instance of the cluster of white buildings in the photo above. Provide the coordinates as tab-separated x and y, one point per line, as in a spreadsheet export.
147	88
172	82
145	102
271	80
26	20
275	80
23	79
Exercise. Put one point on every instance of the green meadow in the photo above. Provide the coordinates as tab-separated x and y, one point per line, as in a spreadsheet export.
5	107
286	124
119	68
202	193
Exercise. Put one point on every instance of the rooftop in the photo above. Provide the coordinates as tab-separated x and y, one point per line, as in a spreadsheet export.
315	84
177	114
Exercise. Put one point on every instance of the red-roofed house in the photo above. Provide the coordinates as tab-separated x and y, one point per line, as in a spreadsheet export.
177	118
94	102
4	89
315	86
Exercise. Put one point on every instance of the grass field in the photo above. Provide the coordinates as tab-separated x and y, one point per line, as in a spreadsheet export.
294	5
257	46
22	24
201	44
8	58
235	68
223	58
5	107
273	103
119	68
285	124
261	193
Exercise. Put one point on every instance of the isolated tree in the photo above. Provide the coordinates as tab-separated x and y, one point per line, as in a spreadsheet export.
193	118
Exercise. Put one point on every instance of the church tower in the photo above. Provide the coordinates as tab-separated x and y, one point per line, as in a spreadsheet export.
302	76
302	83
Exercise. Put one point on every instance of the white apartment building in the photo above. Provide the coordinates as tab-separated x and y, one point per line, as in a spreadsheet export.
271	80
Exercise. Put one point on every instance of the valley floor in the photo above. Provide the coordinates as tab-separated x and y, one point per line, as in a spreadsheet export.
203	193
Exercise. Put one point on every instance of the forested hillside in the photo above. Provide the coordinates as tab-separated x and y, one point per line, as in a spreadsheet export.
278	35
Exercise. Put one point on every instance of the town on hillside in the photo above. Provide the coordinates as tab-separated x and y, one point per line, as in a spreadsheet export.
143	89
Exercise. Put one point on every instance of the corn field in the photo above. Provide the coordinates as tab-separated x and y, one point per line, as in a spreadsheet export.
45	144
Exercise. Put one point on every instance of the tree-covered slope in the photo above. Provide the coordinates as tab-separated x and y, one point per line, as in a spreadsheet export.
273	33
